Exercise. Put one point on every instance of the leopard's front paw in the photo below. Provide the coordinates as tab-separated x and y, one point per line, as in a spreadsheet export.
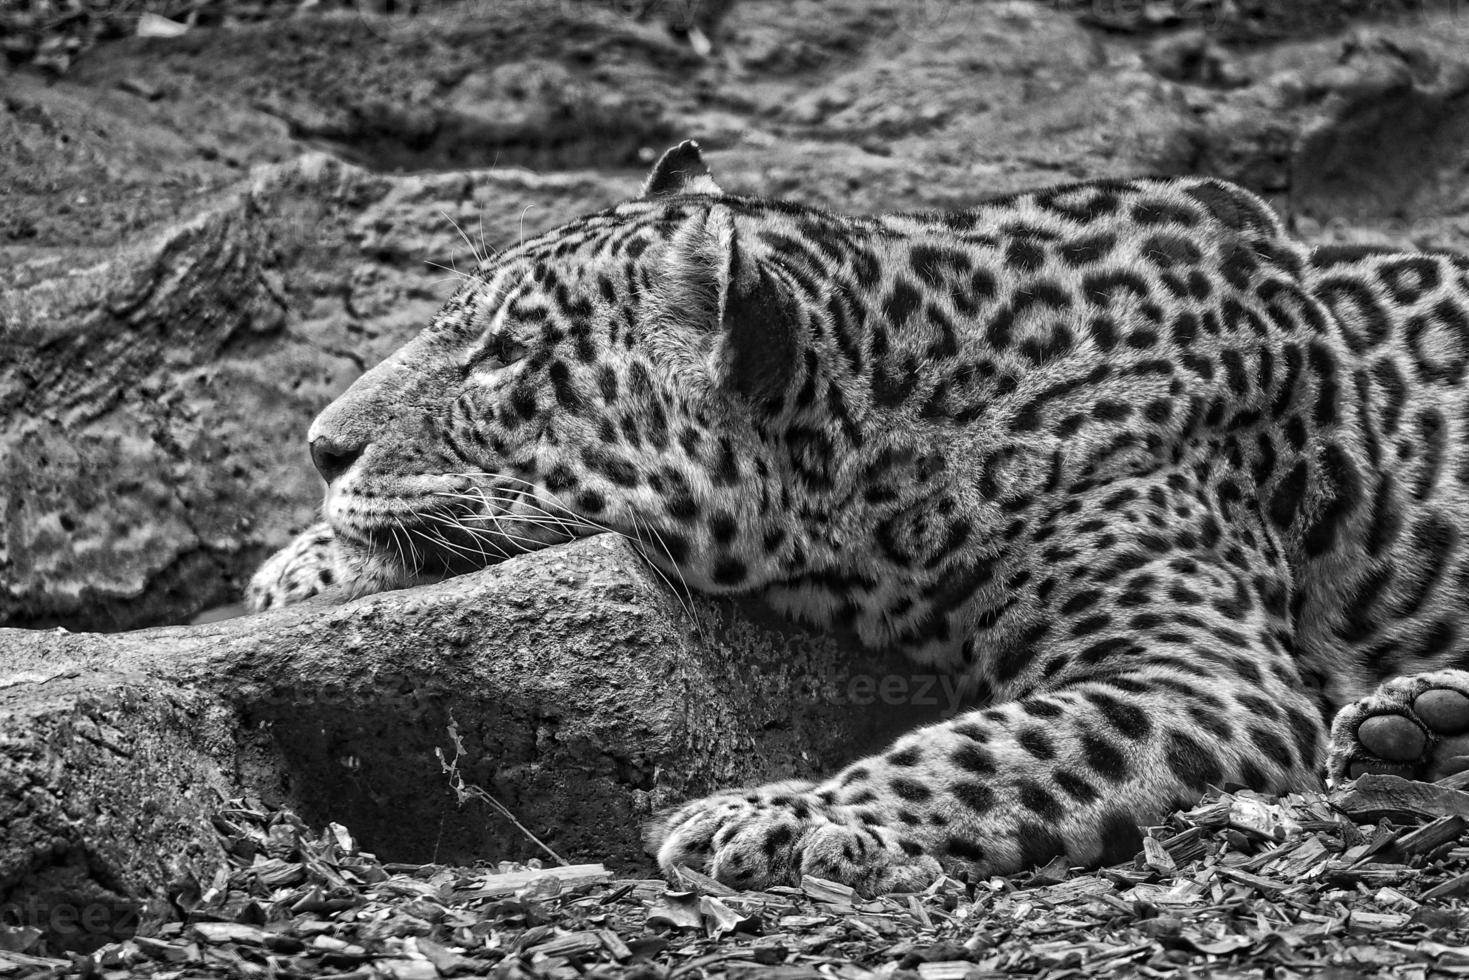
1415	726
302	569
776	834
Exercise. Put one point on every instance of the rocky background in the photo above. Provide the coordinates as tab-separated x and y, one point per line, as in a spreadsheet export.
205	237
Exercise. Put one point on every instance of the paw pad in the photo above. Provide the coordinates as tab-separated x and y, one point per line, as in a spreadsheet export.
1394	738
1444	711
1414	726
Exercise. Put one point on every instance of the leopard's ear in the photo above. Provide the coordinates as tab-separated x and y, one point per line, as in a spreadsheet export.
719	286
681	170
758	327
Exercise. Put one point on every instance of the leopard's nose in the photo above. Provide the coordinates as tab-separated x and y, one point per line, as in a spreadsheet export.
332	458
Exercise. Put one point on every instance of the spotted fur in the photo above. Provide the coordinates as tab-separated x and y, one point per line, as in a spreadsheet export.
302	569
1164	488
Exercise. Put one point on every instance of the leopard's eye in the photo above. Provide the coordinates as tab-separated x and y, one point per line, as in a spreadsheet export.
499	350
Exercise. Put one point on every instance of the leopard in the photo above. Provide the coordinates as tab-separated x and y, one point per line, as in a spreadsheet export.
1177	498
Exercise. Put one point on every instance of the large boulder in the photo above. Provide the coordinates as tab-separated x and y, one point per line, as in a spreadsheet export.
586	693
157	376
152	408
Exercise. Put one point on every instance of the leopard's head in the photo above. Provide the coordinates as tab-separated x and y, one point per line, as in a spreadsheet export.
638	370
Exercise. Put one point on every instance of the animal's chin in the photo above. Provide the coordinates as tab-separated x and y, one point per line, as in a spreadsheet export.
413	556
403	554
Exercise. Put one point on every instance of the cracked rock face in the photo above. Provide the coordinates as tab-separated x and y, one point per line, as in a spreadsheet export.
152	409
585	695
157	377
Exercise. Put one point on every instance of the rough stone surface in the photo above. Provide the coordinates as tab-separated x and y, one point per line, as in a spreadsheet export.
207	238
152	407
587	694
107	782
184	290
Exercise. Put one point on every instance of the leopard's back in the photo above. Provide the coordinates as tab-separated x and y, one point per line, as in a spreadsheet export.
1403	319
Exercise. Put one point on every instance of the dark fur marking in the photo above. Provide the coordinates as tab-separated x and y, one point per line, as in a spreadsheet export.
976	796
1104	758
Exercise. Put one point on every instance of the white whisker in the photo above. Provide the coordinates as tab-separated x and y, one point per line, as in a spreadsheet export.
488	250
464	276
474	253
478	553
537	501
680	591
398	547
522	222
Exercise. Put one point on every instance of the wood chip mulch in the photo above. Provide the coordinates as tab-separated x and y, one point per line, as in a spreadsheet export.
1370	881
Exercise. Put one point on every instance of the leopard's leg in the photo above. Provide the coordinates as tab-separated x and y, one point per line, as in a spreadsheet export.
1160	667
1415	726
304	568
318	563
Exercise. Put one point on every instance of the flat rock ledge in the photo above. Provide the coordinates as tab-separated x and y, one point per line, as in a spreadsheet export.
586	692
